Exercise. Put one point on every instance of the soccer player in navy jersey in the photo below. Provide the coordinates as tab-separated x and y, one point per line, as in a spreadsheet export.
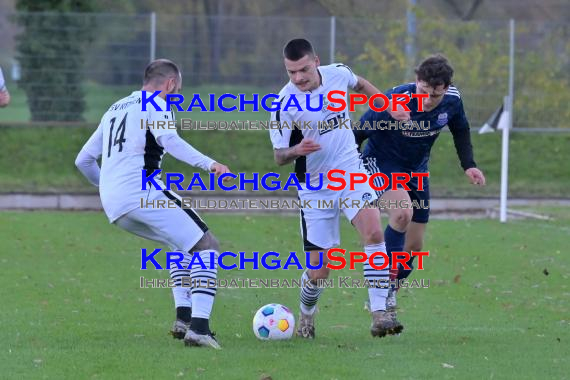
405	148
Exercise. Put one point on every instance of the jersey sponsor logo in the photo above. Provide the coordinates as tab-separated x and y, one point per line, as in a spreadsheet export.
280	283
421	134
334	122
121	106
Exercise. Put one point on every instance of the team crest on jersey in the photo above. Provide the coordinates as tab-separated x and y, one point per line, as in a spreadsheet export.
366	196
442	118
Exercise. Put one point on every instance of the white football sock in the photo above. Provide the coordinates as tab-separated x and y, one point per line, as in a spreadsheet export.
310	294
204	285
182	296
376	294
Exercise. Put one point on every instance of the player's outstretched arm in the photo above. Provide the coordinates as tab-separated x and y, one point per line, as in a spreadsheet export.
181	150
459	128
284	156
464	149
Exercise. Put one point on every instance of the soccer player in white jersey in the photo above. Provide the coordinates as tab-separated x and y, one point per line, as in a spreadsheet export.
317	151
129	153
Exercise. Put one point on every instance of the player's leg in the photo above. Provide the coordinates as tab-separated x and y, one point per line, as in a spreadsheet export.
414	242
320	231
399	219
367	222
417	228
395	232
310	293
390	200
200	246
203	291
184	229
182	296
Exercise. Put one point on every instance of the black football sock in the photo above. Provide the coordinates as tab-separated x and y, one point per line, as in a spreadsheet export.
184	313
200	326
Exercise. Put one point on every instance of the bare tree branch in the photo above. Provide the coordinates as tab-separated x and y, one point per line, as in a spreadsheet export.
474	6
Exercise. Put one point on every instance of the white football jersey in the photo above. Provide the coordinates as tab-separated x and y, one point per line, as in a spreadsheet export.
127	148
338	145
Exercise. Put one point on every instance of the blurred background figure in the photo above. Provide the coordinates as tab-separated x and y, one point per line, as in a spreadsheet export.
4	94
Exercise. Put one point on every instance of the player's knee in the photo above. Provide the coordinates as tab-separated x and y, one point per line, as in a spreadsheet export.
207	242
374	236
414	245
214	242
319	274
401	218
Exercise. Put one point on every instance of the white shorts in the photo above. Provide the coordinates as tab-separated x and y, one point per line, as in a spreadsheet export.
179	229
320	224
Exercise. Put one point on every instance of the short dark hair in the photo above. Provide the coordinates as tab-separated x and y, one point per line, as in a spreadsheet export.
435	71
159	70
296	49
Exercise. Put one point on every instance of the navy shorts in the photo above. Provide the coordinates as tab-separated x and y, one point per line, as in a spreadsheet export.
422	198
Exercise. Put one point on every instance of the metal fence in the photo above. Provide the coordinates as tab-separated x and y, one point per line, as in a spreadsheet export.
46	56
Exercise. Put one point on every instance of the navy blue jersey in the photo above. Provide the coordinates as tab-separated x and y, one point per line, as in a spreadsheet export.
407	147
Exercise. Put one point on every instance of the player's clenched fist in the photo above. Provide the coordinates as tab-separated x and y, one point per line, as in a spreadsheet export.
220	169
306	146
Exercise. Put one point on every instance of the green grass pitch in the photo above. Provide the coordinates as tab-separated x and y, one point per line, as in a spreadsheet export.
497	306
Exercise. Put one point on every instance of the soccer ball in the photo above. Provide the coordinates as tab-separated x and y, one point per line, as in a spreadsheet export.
273	322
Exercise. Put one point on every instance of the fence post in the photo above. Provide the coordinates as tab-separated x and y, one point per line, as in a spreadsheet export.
410	39
333	38
152	36
509	101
